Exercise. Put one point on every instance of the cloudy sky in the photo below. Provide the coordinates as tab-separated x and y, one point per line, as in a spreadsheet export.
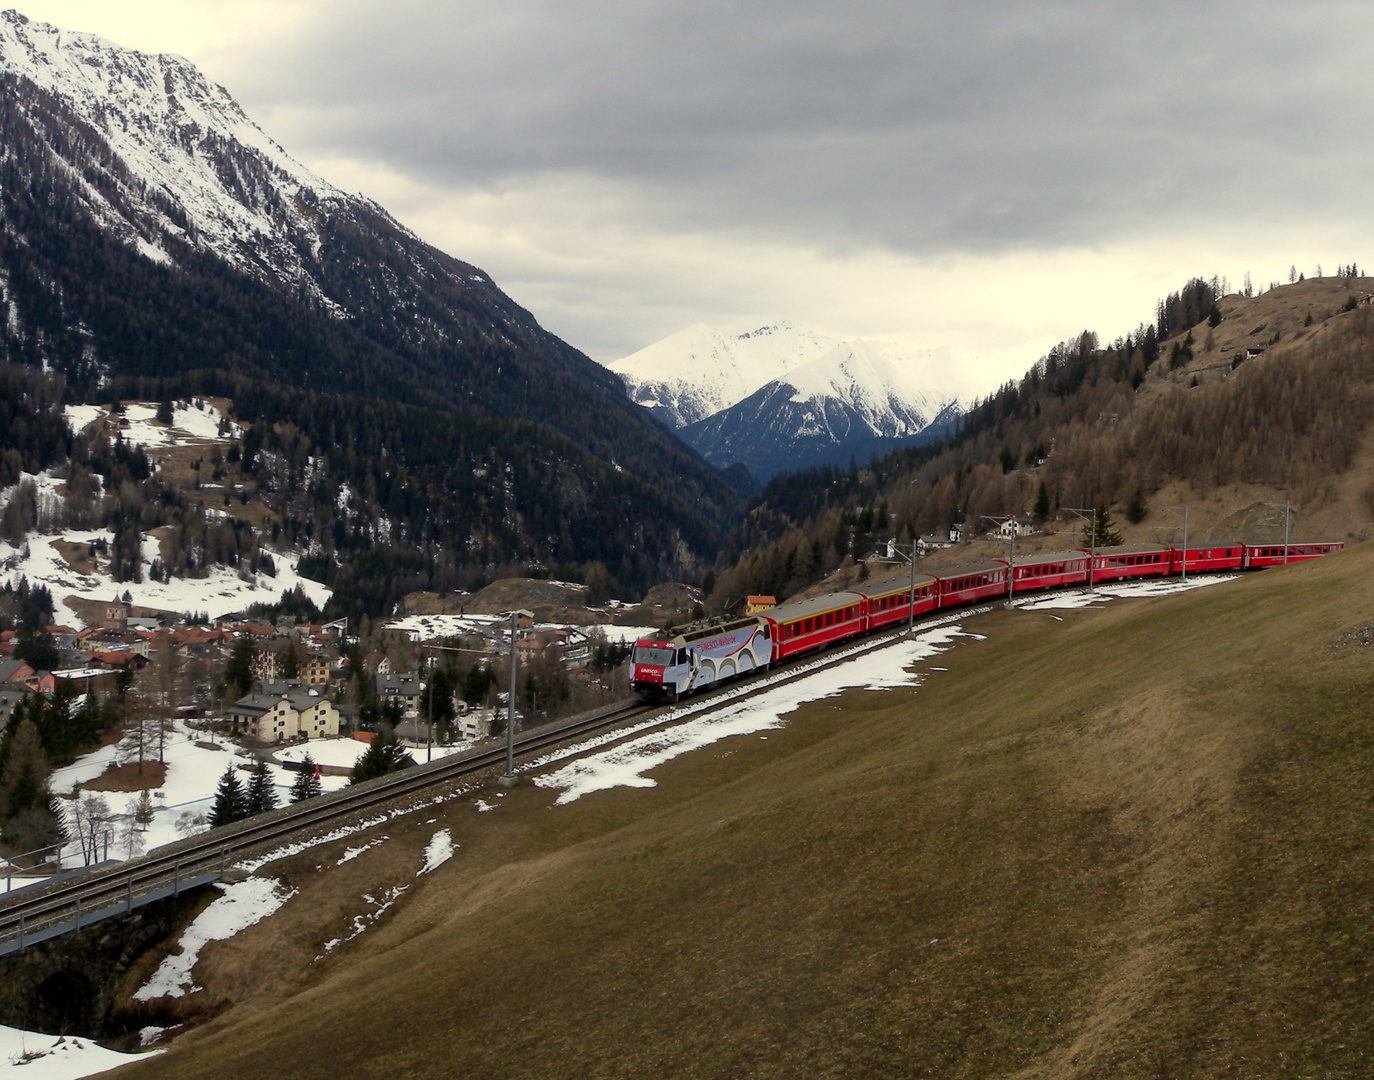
990	177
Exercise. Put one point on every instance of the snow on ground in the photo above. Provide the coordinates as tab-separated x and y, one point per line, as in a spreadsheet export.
56	1057
79	416
220	593
367	918
1081	598
437	852
342	752
189	426
625	765
188	790
243	904
436	627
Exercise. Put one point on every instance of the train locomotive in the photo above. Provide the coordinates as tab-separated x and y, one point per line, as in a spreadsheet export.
692	658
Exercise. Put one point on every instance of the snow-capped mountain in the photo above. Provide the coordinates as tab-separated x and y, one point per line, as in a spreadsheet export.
783	397
181	157
698	371
155	242
852	401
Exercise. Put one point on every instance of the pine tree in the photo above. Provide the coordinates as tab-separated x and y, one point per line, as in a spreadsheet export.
1101	531
238	672
1139	508
384	756
307	784
143	810
231	804
1042	503
262	797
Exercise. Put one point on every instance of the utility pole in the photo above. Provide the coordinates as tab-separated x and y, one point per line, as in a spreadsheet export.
1183	511
893	548
1011	563
509	779
1090	516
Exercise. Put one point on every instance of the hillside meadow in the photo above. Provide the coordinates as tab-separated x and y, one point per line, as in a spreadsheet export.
1128	841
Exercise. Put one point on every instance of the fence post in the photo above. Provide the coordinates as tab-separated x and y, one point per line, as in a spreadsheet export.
129	894
78	912
221	862
21	933
176	877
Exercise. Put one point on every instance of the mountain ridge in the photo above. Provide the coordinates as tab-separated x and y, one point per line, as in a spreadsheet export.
206	262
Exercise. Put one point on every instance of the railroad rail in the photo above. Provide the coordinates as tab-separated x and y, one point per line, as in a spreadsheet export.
39	913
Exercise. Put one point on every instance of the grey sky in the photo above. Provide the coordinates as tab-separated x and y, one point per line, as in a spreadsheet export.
624	168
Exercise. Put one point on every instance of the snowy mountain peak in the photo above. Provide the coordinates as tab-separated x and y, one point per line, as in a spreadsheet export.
184	161
700	370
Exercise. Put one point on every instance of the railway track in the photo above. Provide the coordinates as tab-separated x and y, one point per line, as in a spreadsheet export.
42	913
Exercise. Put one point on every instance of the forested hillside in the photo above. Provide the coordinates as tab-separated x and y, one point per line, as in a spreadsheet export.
1175	405
418	428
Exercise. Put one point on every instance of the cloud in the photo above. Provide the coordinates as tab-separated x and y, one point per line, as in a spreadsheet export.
913	127
989	176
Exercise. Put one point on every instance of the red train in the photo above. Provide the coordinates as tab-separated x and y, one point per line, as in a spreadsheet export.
680	662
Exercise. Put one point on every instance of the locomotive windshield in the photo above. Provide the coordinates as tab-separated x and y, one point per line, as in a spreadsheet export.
647	654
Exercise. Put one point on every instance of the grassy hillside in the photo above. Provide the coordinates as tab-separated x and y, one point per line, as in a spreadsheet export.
1178	418
1131	843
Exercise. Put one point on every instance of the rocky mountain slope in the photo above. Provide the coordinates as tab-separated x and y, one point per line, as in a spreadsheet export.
155	243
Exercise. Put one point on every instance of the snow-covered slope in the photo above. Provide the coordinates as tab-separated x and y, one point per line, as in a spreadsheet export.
854	401
188	162
782	397
700	370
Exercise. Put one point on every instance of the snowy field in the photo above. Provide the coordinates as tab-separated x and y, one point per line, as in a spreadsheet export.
55	1057
1081	598
626	764
437	627
190	426
193	774
221	593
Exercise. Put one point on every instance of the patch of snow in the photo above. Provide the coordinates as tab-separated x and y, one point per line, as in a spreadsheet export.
244	904
187	791
483	806
58	1057
352	853
1081	598
79	416
626	764
437	852
367	918
220	592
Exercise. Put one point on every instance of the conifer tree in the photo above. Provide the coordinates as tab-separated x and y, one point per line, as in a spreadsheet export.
231	804
262	797
1042	503
1101	531
384	756
1139	508
307	784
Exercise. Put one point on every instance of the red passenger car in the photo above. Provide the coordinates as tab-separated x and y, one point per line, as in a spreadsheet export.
969	584
809	624
1050	570
1208	558
1127	563
1257	555
889	602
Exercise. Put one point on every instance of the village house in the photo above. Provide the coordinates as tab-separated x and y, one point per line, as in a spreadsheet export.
315	670
754	604
926	545
1015	526
407	689
277	717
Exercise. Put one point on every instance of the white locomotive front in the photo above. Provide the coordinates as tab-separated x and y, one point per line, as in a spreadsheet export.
691	659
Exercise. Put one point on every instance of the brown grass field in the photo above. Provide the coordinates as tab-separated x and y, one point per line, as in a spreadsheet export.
1134	843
